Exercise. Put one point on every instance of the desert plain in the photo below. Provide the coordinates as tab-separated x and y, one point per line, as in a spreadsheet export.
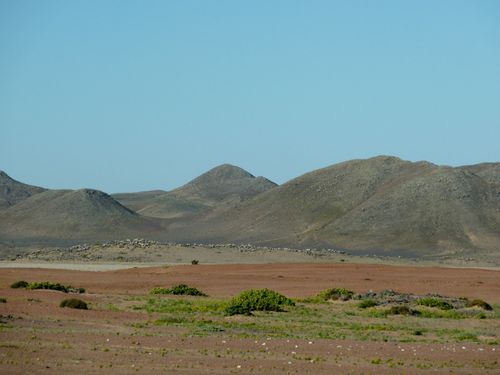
128	330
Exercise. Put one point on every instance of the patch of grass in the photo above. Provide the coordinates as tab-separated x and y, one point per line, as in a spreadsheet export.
19	284
74	303
176	306
441	314
367	303
257	300
479	303
434	302
466	336
181	289
111	307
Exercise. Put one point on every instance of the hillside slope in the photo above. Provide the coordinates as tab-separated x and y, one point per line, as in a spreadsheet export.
12	191
72	214
221	186
382	203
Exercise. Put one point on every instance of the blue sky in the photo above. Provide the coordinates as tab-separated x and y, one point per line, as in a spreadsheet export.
139	95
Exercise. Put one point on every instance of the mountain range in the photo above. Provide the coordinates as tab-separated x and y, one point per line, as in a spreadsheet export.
379	205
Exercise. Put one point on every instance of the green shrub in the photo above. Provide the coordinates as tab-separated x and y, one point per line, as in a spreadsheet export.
194	262
401	310
434	302
336	294
159	290
257	300
3	300
367	303
74	303
181	289
479	303
19	284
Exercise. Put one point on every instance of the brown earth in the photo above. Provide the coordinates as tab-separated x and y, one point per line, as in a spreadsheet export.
44	338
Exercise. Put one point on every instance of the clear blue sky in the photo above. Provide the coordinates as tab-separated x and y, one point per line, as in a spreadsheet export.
138	95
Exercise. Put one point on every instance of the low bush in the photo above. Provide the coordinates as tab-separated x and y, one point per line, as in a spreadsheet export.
181	289
3	300
194	262
367	303
74	303
479	303
257	300
19	284
336	294
401	310
434	302
47	285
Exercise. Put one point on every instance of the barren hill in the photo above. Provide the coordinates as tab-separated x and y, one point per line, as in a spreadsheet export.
12	191
221	186
381	204
72	214
378	205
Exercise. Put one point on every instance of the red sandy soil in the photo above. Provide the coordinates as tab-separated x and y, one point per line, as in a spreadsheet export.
47	339
294	280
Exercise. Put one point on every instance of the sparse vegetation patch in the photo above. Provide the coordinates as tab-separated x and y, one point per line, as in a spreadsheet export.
336	294
47	285
434	302
479	303
181	289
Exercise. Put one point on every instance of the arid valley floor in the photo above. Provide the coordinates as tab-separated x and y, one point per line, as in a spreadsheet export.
128	330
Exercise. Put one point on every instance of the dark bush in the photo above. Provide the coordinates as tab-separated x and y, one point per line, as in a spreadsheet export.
74	303
479	303
3	300
19	284
434	302
402	310
257	300
181	289
194	262
367	303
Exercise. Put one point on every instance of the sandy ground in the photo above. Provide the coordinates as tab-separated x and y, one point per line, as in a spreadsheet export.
39	337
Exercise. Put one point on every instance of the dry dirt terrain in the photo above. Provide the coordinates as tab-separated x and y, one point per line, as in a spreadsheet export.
127	330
